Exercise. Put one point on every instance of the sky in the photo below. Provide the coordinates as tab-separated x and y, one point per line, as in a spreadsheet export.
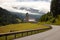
36	4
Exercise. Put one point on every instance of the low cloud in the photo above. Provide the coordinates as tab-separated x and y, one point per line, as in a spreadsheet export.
39	5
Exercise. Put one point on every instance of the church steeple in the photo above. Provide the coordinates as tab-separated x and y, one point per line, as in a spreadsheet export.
27	17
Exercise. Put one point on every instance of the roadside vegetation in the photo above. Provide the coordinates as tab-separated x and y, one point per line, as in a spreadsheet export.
50	19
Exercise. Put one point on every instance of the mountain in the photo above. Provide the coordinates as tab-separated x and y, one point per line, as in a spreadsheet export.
30	10
22	15
33	13
7	18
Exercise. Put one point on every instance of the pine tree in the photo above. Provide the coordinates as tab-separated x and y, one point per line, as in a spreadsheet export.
55	7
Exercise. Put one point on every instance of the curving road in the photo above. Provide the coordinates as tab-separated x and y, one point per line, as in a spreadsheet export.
53	34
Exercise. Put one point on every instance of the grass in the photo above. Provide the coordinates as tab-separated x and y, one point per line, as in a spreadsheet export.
20	27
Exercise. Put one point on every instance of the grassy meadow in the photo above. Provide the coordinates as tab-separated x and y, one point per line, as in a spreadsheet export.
20	27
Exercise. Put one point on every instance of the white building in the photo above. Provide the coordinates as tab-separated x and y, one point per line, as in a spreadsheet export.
30	20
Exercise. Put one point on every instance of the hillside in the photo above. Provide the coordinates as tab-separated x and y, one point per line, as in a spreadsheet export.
49	19
7	18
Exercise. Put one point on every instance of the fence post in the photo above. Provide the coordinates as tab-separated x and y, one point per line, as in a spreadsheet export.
15	36
6	37
27	33
22	34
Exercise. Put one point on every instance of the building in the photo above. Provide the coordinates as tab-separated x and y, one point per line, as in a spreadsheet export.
27	19
32	20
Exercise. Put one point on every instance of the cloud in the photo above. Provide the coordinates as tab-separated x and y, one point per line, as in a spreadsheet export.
39	5
3	1
33	0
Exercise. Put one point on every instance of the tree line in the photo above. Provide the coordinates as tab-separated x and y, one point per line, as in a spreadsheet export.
54	12
7	18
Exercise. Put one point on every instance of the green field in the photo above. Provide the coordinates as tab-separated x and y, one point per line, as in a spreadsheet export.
21	27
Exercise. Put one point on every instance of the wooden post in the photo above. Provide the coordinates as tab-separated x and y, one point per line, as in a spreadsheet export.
5	37
22	34
15	36
34	31
27	34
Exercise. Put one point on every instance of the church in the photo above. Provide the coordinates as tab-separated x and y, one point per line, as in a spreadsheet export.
28	19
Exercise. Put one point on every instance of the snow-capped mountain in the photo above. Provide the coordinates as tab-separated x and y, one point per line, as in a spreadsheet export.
30	10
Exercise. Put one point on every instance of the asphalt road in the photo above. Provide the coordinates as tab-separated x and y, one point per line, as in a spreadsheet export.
53	34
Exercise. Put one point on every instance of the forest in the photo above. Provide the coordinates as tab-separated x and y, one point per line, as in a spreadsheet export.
53	16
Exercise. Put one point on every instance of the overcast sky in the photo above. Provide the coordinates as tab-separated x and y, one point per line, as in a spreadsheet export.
36	4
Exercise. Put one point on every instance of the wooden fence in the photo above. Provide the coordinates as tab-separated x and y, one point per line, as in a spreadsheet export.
22	33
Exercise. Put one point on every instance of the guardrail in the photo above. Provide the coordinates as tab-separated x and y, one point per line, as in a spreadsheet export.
22	33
